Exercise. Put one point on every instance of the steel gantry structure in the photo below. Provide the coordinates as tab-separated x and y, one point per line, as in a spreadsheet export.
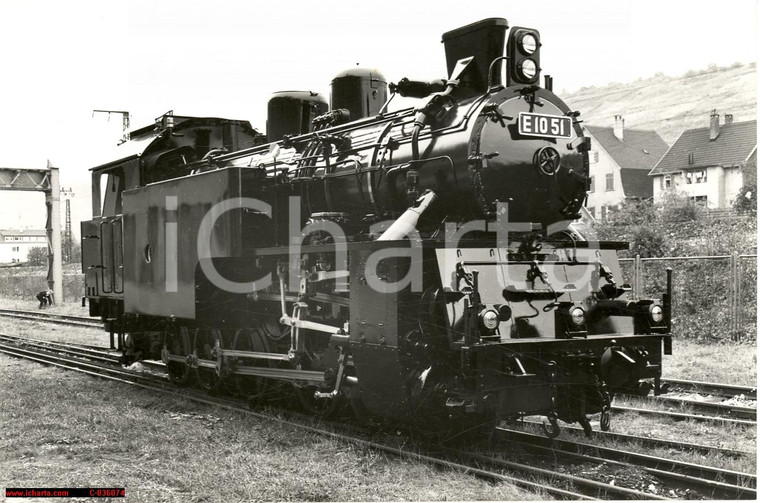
43	180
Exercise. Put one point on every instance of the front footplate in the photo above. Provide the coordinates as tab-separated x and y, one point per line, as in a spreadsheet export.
565	379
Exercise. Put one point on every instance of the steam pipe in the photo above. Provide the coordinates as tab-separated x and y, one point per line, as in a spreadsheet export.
407	222
415	138
490	70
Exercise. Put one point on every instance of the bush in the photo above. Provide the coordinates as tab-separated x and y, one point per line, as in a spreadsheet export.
746	199
677	207
702	288
632	212
647	242
37	256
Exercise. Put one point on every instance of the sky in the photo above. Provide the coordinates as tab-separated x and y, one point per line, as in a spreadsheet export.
224	58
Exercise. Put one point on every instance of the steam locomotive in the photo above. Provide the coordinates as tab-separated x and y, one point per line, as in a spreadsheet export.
420	265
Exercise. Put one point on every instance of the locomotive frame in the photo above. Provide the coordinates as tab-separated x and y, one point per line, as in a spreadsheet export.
416	264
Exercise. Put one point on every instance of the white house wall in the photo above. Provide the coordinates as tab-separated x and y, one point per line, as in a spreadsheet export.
17	251
721	188
599	170
734	180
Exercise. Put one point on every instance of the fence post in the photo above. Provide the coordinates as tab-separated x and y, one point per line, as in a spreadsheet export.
637	277
732	295
739	310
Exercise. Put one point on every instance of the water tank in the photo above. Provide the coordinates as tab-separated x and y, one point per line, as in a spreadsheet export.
362	91
291	113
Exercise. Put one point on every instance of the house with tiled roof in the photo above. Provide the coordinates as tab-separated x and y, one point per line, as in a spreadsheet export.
15	244
709	164
620	160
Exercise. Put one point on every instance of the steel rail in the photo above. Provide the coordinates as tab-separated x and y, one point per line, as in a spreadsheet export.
734	411
71	349
51	318
588	485
133	379
651	442
682	415
730	483
75	345
659	442
729	390
722	490
71	363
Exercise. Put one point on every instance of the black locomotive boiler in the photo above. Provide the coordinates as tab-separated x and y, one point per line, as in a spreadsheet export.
420	264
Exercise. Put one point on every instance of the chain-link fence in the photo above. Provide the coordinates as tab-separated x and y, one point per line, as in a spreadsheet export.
714	297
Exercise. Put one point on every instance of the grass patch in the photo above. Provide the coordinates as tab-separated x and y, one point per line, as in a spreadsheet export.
724	363
55	333
65	429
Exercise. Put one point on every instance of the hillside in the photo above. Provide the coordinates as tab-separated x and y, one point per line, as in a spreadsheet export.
670	105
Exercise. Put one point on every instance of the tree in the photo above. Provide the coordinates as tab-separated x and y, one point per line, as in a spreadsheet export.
37	256
76	253
746	198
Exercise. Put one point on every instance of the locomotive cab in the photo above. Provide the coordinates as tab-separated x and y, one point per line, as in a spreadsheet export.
165	150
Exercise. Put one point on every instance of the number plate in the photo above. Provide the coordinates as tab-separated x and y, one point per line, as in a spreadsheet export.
548	126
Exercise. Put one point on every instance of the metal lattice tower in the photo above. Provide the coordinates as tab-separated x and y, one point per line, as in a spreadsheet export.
68	237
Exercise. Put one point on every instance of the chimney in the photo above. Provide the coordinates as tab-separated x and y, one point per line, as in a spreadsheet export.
485	41
714	125
729	119
618	130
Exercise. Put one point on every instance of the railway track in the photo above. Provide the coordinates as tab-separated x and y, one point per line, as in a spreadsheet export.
726	390
708	388
74	357
61	319
73	360
716	408
91	352
711	411
654	443
14	346
681	416
710	481
726	403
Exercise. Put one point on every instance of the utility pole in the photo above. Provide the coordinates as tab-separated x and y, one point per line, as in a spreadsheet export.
124	122
53	229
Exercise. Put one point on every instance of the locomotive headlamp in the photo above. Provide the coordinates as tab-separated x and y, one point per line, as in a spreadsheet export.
528	69
523	50
490	319
656	313
528	43
578	315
